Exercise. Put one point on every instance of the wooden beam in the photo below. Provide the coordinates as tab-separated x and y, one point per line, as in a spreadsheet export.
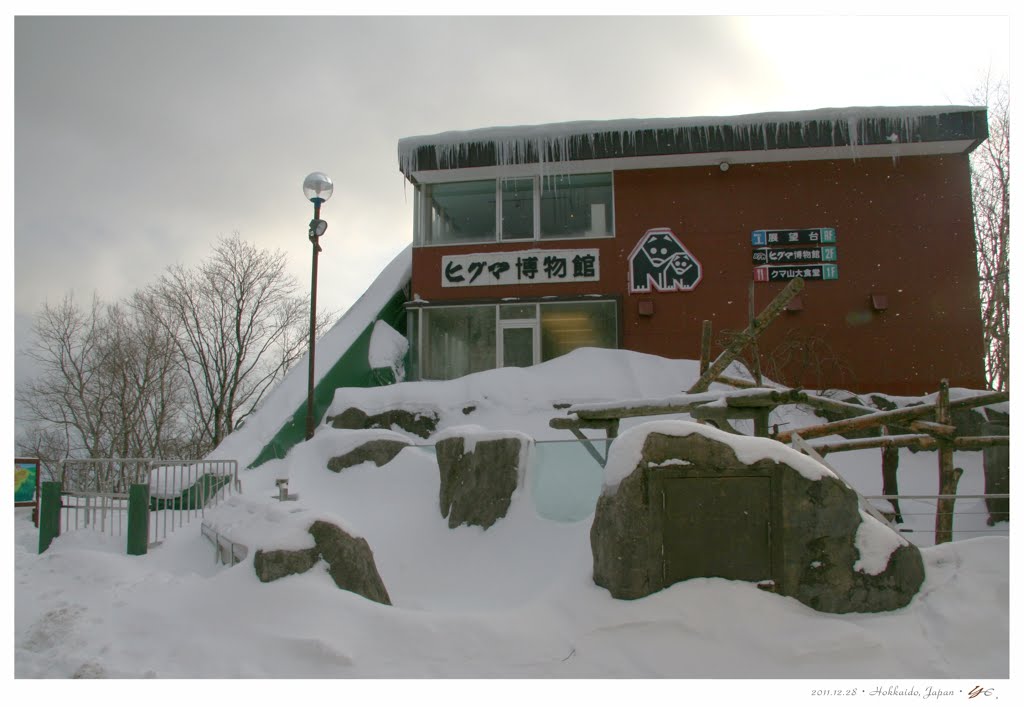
890	417
820	402
758	325
569	423
769	398
736	382
934	429
917	443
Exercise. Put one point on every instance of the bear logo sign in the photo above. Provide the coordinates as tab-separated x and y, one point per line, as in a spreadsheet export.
662	263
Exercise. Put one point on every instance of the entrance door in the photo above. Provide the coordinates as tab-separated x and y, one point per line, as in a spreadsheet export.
518	345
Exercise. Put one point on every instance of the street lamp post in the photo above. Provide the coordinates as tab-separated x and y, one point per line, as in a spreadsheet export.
318	188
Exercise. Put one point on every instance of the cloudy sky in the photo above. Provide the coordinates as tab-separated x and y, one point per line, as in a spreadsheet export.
139	140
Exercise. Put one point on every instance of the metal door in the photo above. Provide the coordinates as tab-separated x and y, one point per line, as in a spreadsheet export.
518	345
716	527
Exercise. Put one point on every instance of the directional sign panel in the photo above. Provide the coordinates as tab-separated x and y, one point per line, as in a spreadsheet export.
792	236
786	256
782	273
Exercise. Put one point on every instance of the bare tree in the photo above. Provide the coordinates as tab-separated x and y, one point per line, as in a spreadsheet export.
108	383
990	177
238	324
169	371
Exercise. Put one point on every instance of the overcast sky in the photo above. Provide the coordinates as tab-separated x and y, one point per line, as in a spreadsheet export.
139	140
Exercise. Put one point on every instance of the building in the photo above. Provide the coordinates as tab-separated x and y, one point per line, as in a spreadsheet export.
532	241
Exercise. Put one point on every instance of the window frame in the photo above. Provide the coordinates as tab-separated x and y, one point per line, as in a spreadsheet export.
421	215
416	313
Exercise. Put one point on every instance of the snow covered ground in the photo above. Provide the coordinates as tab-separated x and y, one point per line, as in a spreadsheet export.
514	601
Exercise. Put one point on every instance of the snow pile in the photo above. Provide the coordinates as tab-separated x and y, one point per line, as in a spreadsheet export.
516	600
627	450
875	542
388	349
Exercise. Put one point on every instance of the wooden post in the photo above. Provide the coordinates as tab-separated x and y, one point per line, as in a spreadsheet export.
890	482
755	352
948	475
766	317
705	346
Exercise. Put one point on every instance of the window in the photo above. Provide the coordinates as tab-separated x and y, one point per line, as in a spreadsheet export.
456	212
450	342
576	206
457	341
567	326
515	209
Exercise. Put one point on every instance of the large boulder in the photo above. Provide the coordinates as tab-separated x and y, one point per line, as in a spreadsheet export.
683	500
997	473
349	559
480	471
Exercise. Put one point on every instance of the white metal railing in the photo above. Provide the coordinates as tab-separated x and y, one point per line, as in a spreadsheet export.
105	513
226	550
94	492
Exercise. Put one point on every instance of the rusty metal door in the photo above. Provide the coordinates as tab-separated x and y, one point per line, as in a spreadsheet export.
716	527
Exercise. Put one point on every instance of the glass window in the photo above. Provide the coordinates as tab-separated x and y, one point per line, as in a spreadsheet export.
517	346
575	206
565	326
566	206
458	341
516	208
458	212
518	311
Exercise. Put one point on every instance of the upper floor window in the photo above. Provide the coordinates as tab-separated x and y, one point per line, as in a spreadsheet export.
514	209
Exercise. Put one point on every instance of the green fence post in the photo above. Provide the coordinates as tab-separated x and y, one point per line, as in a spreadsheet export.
49	514
138	519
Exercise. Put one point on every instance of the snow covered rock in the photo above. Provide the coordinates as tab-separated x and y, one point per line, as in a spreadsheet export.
349	559
480	470
274	564
379	451
421	423
683	500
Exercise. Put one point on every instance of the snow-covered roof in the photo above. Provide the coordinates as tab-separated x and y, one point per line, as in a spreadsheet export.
557	143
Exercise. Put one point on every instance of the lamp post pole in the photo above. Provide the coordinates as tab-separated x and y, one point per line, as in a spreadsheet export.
318	188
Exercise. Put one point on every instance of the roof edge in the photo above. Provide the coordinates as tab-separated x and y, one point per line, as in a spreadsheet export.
555	143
